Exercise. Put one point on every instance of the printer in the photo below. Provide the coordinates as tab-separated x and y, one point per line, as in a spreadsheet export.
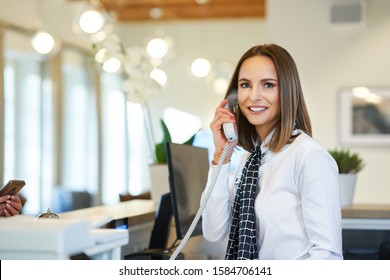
28	238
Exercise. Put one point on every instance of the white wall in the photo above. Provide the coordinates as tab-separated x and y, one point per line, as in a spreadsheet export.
328	58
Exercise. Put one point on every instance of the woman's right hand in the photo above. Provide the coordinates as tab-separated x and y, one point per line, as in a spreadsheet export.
222	115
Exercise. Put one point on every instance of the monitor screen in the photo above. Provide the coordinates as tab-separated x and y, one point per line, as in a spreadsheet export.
188	169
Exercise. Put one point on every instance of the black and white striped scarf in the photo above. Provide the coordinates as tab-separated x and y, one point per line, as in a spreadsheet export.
242	242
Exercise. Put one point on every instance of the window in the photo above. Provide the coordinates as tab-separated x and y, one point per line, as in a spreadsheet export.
28	130
125	150
140	150
114	137
78	126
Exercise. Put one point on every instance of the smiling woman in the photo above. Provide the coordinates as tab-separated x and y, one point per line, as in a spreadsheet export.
284	196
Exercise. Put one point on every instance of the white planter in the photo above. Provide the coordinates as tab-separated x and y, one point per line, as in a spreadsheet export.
347	188
160	181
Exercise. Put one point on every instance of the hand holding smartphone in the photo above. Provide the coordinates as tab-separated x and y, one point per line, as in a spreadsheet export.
12	187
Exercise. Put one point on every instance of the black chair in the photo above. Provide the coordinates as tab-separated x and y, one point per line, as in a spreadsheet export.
384	250
68	200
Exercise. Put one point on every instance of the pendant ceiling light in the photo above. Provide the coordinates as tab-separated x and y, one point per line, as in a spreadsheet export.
43	42
200	67
91	21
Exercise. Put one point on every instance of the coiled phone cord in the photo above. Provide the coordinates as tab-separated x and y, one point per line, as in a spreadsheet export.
203	203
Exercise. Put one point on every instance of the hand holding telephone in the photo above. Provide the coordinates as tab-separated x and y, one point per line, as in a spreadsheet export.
228	128
12	187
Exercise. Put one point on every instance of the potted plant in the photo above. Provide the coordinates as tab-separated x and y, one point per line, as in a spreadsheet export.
159	169
349	164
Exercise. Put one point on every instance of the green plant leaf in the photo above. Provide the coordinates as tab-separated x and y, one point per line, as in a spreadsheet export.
167	135
347	162
161	153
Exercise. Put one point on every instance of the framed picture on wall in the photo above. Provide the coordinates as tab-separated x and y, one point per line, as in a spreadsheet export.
364	116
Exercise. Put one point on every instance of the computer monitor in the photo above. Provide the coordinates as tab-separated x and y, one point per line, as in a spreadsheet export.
188	170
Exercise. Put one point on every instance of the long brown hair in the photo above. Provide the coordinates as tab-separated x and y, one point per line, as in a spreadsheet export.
292	103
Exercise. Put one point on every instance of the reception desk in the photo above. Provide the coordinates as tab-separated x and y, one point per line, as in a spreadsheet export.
371	211
365	227
137	216
25	237
132	213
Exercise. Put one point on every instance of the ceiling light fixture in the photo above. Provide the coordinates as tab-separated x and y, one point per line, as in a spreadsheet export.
200	67
157	48
101	55
91	21
202	2
156	13
112	65
43	42
159	76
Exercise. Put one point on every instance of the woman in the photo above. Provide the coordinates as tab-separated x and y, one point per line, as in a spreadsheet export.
10	205
284	201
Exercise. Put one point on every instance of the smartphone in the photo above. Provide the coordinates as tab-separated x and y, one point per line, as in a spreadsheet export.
12	187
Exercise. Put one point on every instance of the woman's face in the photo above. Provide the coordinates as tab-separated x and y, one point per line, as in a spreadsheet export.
258	94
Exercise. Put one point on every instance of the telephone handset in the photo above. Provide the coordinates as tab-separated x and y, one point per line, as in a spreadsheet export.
228	128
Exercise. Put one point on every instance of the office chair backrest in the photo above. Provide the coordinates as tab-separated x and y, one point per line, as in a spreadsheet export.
160	231
384	250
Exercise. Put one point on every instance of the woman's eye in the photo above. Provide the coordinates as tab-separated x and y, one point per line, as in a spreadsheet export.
244	85
269	85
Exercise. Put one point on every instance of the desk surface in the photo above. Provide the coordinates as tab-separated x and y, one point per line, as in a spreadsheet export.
136	211
140	211
370	211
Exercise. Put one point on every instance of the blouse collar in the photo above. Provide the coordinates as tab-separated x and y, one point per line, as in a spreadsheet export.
265	148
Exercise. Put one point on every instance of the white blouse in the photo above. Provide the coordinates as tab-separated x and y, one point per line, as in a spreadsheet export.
298	206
